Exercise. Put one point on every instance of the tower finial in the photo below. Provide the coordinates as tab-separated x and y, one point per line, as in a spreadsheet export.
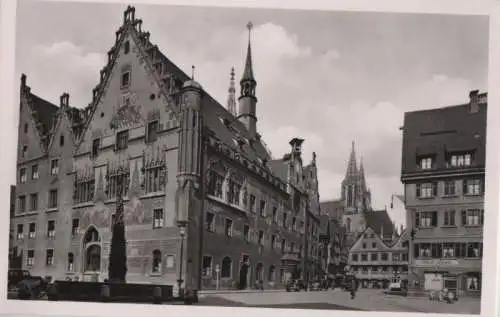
192	72
248	72
231	98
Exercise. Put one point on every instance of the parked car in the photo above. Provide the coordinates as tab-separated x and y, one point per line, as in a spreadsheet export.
15	276
295	286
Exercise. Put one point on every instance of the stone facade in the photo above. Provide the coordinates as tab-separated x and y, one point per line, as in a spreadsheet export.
443	173
205	205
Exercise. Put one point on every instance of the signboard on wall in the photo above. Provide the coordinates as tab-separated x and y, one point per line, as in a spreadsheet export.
436	262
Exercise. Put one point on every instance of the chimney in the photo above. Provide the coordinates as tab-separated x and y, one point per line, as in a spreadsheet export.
296	144
474	101
23	80
64	100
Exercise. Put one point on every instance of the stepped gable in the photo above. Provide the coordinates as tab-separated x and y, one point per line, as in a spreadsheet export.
379	221
217	119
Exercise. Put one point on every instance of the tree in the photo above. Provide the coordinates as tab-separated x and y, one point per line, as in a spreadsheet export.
117	269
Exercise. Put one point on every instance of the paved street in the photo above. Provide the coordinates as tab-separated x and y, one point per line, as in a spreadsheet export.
370	300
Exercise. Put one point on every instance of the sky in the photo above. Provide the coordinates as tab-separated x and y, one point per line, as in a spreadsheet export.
330	77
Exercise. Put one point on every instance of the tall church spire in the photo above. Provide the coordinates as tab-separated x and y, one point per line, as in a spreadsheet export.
248	100
352	168
231	99
362	175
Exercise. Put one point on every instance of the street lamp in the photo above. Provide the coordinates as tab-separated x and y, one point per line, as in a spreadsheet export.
182	233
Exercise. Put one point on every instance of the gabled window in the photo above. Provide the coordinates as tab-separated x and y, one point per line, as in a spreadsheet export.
122	140
426	163
152	130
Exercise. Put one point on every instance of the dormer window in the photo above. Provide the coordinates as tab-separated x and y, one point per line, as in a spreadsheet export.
426	162
460	159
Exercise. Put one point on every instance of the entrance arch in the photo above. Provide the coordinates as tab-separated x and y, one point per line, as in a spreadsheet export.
91	249
244	274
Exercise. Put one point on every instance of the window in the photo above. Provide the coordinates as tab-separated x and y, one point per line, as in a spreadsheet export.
53	198
458	160
170	261
61	140
425	250
246	233
473	217
22	203
31	258
71	262
426	190
472	187
158	218
22	175
233	192
49	257
25	151
122	140
364	257
51	228
34	202
228	228
54	167
32	230
449	188
354	257
474	282
374	257
126	47
474	250
294	223
396	257
154	175
34	172
75	224
215	184
125	79
262	210
283	245
156	267
210	222
426	219
96	144
449	218
207	266
448	250
384	256
273	241
252	203
374	245
84	191
364	245
25	128
272	274
151	132
261	238
275	215
226	267
114	179
20	233
426	163
285	215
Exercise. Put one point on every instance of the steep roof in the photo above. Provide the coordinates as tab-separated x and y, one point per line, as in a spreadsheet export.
279	168
332	208
379	221
436	131
45	112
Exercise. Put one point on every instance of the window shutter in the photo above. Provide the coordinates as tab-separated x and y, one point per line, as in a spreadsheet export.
434	218
464	186
418	190
417	219
464	217
434	189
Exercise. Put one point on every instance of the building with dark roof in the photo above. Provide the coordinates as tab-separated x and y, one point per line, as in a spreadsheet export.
443	171
205	204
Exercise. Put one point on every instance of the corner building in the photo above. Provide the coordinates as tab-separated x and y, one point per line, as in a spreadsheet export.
443	172
205	203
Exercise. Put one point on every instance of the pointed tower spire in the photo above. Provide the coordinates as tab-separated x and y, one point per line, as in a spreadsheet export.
248	100
352	168
248	72
231	99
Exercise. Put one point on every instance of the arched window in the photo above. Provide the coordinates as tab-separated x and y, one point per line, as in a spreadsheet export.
227	264
156	268
93	258
91	236
272	274
71	261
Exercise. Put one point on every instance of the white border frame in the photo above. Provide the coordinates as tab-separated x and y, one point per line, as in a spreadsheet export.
9	115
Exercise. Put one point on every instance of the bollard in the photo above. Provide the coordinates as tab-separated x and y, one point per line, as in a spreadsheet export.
157	295
52	292
105	294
